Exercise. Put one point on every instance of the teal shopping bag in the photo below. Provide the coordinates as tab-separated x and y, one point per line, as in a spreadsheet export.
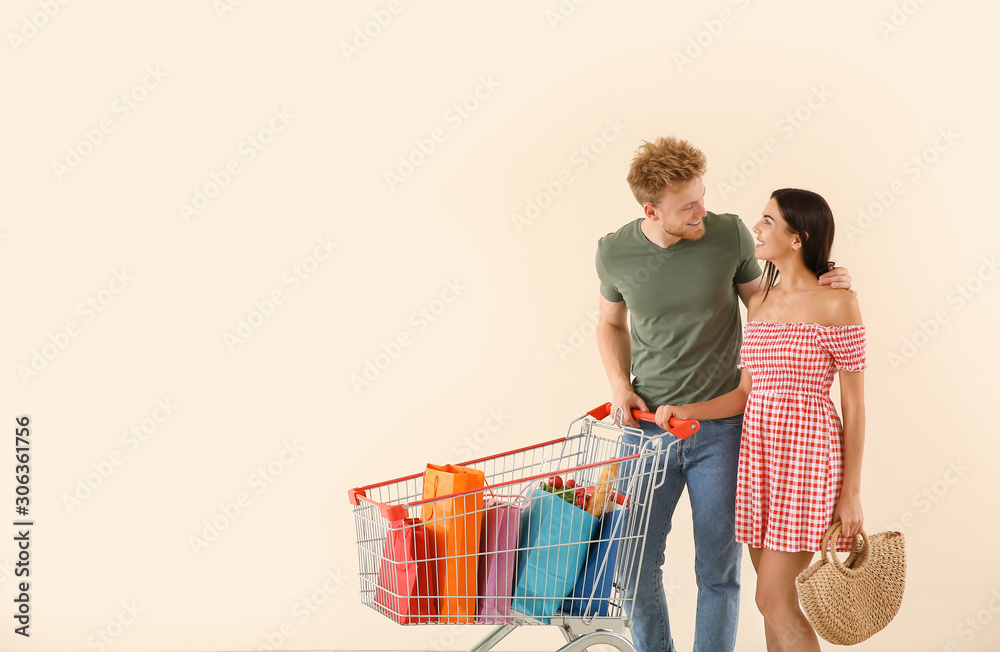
553	543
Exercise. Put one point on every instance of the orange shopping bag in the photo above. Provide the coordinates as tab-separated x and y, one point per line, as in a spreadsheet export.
455	524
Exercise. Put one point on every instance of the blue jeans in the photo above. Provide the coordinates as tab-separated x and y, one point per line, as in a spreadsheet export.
707	463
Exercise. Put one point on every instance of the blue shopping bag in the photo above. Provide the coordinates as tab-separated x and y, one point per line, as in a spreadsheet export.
554	540
593	587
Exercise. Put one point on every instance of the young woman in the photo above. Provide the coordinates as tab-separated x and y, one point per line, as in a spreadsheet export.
800	465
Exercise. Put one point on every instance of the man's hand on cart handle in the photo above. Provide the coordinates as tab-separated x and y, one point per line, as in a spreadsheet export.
629	403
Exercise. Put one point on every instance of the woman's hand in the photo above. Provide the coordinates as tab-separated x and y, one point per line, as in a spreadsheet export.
848	512
665	412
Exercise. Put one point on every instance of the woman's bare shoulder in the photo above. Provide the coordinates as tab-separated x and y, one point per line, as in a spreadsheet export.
838	307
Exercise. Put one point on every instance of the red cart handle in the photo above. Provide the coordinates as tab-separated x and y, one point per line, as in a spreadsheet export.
681	428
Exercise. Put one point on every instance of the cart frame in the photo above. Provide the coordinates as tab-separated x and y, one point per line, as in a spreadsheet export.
584	450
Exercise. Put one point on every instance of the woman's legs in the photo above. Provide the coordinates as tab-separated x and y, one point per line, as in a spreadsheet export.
772	641
786	628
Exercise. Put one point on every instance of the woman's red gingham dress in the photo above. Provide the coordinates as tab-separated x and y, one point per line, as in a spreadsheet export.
792	452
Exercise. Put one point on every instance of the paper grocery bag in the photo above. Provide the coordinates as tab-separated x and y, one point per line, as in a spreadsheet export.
553	544
455	523
497	557
407	583
593	586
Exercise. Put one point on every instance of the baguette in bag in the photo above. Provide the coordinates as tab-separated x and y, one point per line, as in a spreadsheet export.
603	491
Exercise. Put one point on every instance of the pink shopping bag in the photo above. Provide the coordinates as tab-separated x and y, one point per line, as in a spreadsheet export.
497	556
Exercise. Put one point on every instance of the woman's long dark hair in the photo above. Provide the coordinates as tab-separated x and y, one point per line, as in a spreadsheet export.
808	215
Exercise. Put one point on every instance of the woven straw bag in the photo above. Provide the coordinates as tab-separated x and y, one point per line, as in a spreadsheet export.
848	602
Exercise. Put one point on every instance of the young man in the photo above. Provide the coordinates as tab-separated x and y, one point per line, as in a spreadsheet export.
669	316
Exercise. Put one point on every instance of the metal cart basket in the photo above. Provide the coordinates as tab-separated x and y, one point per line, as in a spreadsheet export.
523	547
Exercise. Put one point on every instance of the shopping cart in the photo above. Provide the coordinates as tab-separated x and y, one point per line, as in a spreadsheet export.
561	556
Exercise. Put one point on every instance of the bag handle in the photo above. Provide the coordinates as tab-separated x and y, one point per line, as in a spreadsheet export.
857	549
517	500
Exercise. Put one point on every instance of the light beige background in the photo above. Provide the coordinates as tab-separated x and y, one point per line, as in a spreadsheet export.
874	84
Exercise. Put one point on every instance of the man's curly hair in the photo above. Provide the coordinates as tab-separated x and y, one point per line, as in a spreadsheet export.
665	164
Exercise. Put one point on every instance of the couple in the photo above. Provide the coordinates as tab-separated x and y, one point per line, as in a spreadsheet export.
670	284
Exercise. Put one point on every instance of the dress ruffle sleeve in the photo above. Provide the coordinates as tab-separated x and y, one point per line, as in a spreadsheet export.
846	344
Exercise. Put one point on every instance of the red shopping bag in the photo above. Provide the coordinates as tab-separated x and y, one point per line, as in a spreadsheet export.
497	556
455	524
407	582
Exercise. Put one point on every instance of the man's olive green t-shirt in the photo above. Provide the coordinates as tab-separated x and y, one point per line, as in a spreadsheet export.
683	307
